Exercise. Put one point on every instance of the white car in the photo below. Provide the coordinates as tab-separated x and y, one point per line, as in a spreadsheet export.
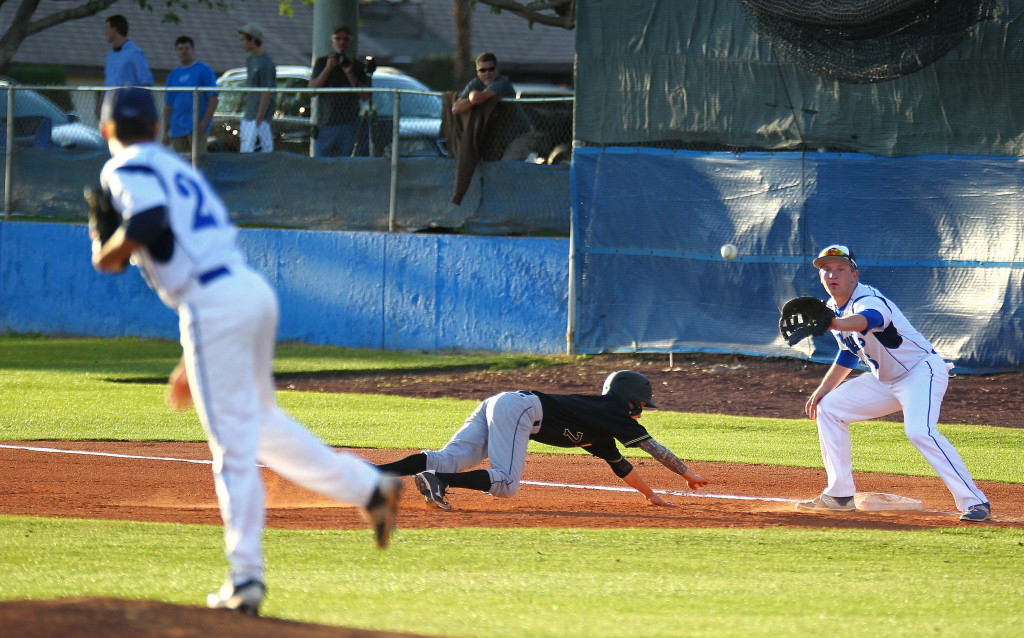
419	127
33	110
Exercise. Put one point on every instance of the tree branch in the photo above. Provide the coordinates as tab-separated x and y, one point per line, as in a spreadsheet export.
89	8
565	11
22	26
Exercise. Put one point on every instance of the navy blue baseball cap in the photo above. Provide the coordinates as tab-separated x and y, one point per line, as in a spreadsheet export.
129	104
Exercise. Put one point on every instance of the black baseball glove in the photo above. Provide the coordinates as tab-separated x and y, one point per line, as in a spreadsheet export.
804	317
103	219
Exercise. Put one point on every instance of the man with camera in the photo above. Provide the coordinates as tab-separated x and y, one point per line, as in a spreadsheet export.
336	115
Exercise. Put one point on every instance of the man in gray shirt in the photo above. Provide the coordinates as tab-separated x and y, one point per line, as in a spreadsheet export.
259	107
487	86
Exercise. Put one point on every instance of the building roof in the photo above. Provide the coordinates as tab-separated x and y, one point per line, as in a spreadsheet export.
392	33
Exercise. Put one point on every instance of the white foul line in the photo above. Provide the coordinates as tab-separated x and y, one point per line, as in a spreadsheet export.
110	454
575	486
609	488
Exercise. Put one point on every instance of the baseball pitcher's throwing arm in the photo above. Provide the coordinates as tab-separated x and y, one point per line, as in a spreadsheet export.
665	456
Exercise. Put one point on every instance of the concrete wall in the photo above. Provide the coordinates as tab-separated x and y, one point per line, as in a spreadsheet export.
355	289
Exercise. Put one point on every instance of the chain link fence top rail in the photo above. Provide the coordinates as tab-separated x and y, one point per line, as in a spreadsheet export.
372	176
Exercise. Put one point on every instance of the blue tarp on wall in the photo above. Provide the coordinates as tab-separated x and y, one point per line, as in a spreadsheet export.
354	289
943	236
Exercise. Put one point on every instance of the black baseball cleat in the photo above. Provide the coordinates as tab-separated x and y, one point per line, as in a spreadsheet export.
433	489
244	598
382	510
977	513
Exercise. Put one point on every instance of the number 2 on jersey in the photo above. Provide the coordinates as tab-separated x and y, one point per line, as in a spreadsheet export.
187	187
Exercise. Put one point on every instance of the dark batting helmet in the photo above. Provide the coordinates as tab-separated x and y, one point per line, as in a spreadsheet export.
630	386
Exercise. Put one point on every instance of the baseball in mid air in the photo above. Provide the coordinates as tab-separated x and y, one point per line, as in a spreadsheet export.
730	252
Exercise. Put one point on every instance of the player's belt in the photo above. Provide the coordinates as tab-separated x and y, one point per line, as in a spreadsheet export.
210	275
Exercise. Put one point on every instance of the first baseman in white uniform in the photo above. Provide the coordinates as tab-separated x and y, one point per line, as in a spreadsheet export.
905	374
176	230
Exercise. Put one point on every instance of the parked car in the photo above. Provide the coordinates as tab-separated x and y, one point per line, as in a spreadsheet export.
419	127
32	111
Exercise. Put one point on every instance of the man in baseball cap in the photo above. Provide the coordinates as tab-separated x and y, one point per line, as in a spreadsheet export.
128	115
252	30
261	72
904	373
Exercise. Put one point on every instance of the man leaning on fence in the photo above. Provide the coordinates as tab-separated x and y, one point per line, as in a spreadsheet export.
337	114
259	106
488	85
178	116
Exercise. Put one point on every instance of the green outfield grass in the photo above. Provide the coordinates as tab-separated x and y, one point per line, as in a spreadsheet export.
94	389
958	581
559	583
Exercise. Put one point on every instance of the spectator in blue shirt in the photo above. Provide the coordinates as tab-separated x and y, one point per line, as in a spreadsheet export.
178	117
126	63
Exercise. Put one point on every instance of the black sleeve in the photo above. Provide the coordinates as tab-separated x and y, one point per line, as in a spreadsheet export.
621	467
318	66
612	456
150	228
146	226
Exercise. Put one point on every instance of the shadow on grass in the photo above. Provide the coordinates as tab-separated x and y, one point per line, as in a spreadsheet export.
321	375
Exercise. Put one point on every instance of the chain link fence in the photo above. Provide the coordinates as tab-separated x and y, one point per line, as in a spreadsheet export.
377	175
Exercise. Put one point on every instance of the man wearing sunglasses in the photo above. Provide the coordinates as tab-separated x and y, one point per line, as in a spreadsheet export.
905	374
486	86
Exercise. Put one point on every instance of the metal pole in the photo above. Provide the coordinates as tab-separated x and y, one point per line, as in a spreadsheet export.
195	128
570	332
395	122
9	162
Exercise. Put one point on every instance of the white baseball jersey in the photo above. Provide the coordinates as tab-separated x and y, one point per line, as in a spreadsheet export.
890	350
228	316
145	176
907	375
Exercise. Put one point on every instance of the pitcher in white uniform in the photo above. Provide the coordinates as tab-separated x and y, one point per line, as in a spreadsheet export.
176	229
906	374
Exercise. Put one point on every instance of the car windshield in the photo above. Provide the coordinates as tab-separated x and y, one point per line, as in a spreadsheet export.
298	104
413	104
28	103
288	104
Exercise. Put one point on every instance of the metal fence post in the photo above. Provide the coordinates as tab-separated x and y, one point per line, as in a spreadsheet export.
396	120
195	128
9	155
570	329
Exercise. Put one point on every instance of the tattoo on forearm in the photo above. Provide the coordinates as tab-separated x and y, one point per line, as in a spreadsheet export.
663	455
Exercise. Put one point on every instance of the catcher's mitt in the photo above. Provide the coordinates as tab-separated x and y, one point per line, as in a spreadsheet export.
103	219
804	317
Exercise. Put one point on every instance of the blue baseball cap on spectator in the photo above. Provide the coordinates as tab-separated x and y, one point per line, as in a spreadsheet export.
129	104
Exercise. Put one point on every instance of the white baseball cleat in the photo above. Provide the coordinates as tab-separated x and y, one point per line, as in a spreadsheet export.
245	598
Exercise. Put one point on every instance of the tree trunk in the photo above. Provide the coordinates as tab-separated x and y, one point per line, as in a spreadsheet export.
463	68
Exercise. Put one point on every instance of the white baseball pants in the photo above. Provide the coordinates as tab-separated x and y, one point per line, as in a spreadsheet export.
248	133
228	333
919	394
498	430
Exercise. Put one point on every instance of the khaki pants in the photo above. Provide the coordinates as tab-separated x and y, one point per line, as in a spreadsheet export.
183	145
